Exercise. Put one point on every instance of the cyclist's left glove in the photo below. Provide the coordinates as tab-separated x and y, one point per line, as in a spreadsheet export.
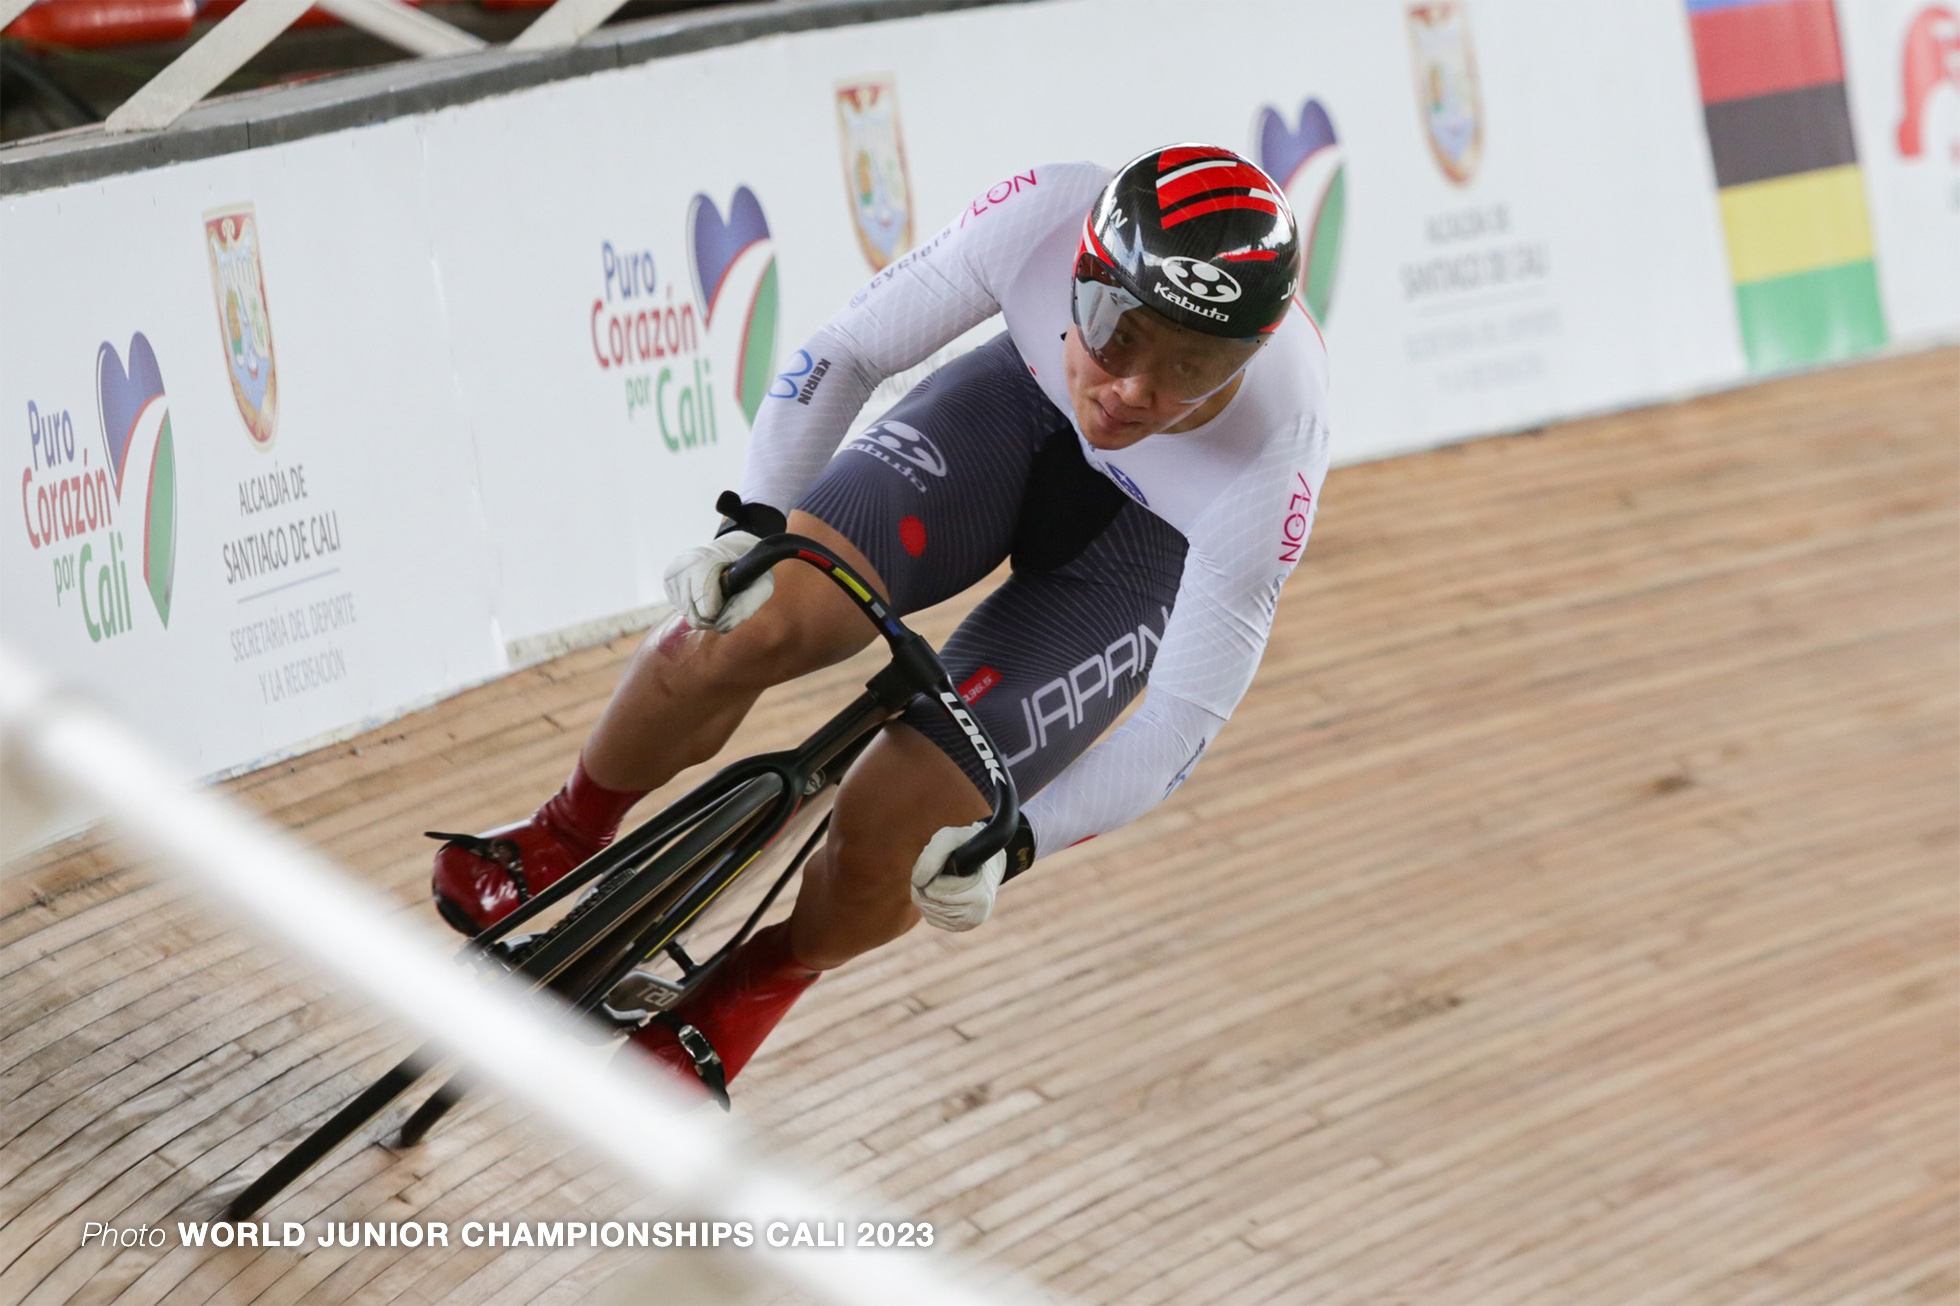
693	579
694	584
962	902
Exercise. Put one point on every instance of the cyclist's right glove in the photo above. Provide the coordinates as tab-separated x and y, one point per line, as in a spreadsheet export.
963	902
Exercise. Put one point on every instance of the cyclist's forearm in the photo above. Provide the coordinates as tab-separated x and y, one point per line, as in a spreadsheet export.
1125	775
919	304
808	408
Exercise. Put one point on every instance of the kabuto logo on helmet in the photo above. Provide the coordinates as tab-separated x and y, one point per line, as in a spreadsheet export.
1191	306
1198	234
1201	280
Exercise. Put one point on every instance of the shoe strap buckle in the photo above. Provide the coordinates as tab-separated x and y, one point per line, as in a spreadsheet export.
707	1062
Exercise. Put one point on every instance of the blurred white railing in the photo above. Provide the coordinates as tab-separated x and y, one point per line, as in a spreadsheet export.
623	1113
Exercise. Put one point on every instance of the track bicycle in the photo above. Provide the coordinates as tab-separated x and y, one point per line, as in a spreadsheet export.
636	898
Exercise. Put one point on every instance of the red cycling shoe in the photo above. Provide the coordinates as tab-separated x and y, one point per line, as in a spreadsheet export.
712	1034
481	878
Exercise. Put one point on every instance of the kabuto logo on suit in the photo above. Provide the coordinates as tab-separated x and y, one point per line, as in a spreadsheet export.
895	443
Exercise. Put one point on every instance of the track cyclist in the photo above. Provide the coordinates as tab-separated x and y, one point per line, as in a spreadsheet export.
1146	442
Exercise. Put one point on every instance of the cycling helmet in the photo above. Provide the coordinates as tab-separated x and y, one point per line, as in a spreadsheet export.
1196	234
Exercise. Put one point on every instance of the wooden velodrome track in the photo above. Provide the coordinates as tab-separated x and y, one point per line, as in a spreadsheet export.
1569	915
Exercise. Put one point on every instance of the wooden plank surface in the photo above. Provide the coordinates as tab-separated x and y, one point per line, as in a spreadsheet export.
1569	915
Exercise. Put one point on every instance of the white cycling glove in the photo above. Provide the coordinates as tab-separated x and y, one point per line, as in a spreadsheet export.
694	584
949	901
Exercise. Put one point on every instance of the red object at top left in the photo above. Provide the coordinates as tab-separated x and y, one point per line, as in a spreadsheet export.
101	24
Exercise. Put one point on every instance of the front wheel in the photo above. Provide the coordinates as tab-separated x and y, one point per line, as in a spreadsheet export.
633	912
636	910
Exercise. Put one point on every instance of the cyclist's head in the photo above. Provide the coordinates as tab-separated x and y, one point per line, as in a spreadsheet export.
1188	261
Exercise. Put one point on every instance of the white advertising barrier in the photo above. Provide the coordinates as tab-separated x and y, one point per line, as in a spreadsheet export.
1513	207
1902	70
466	379
246	511
603	380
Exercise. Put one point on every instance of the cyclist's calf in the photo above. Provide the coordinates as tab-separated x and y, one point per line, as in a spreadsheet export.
687	689
856	895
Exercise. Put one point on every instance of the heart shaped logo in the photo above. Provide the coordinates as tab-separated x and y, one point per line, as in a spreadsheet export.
135	419
714	245
1283	149
734	268
1307	163
121	396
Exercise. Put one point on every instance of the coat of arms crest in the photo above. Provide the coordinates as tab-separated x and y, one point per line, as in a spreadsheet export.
1446	87
231	236
874	168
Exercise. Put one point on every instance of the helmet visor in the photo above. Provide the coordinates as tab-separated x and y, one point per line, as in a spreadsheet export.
1127	339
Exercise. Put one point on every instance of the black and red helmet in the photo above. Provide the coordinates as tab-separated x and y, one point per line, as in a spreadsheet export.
1195	233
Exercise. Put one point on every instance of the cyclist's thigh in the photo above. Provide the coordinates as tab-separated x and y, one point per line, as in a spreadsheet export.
930	492
1050	659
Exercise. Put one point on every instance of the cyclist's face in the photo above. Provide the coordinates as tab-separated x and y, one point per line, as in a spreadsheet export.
1152	375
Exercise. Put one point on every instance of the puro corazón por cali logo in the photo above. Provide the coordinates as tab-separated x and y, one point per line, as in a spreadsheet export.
102	521
678	352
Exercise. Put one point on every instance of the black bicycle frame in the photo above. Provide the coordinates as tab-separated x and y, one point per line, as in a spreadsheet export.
914	670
